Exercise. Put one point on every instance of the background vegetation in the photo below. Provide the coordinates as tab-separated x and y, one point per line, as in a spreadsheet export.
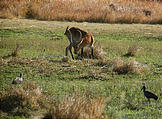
126	11
56	87
108	87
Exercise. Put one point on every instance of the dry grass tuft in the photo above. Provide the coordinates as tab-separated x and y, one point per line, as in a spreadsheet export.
21	100
118	64
15	53
84	10
98	53
130	66
103	62
78	106
28	99
132	51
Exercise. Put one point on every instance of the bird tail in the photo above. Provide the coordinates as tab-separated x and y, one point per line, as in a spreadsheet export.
155	97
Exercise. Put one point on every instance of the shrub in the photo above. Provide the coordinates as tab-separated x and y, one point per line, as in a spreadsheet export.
21	101
27	99
130	66
132	51
78	106
83	10
98	53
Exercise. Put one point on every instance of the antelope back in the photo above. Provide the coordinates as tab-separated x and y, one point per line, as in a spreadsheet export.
87	41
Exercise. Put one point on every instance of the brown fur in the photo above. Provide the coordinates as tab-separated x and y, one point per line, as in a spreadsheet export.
86	41
80	39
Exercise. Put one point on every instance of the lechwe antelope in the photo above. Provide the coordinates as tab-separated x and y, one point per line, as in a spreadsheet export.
78	39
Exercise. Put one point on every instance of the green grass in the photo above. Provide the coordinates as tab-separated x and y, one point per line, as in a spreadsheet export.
43	47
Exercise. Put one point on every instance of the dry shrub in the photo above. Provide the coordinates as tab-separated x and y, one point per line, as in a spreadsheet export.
98	53
118	63
18	8
127	11
21	100
79	106
104	62
105	65
131	66
28	99
132	51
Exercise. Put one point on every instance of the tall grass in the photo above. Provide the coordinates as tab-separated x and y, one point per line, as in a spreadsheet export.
22	100
79	107
131	66
28	98
127	11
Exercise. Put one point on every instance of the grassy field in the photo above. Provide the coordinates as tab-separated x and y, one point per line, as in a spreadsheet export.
105	88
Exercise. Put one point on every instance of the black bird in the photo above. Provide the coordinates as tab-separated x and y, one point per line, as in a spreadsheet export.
148	94
18	79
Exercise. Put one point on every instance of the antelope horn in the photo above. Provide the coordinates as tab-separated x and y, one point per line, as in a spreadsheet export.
67	28
71	37
80	39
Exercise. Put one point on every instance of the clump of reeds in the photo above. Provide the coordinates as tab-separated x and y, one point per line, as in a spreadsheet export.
118	65
78	106
103	62
28	98
98	53
21	100
124	11
132	50
131	66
